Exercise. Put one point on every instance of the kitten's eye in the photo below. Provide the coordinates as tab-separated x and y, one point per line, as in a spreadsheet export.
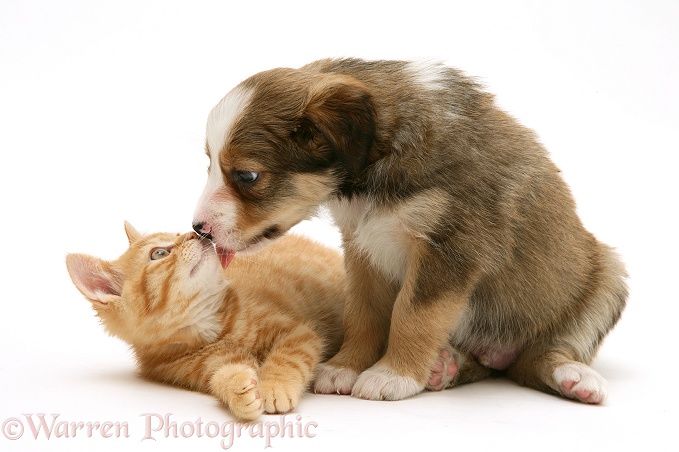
159	253
245	177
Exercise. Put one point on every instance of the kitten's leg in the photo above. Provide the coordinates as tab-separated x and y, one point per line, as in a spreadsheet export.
370	298
236	385
557	372
453	368
288	368
220	369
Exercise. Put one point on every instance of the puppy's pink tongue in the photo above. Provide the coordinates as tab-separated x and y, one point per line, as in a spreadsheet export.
225	256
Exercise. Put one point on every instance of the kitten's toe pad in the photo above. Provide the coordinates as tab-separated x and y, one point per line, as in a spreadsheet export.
580	382
444	370
381	383
280	397
334	380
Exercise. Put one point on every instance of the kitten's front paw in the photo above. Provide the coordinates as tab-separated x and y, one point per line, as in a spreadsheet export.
334	380
236	385
280	397
381	383
580	382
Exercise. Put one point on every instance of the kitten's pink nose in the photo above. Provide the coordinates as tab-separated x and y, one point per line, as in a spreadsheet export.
203	230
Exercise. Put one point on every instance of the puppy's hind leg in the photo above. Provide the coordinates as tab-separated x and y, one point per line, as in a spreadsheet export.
556	372
560	364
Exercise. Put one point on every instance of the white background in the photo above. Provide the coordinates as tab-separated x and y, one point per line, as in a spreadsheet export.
102	113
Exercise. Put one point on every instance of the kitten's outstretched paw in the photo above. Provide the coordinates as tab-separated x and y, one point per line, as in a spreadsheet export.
580	382
382	383
236	385
334	380
444	370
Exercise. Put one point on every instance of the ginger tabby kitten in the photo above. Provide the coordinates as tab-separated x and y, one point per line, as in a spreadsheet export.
251	335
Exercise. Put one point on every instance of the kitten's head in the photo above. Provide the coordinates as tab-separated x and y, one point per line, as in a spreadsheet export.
166	288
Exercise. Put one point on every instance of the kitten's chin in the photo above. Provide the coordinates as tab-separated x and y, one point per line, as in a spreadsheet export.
207	250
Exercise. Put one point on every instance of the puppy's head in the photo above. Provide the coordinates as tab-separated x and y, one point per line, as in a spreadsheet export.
280	144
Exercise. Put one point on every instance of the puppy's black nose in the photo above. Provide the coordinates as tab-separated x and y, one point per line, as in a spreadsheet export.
200	230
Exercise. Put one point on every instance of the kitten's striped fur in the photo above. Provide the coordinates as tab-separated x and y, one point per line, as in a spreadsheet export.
252	335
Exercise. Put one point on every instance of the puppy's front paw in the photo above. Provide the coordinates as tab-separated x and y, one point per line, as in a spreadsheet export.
236	385
280	397
382	383
334	380
580	382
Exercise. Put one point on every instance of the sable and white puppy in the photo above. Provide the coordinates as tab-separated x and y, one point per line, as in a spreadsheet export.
462	246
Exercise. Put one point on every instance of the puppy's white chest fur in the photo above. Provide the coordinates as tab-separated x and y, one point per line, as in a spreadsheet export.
377	232
387	235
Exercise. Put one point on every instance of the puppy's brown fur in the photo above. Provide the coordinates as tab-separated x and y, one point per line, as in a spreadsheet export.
458	230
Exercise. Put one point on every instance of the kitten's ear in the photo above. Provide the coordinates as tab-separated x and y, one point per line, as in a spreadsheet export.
132	234
95	278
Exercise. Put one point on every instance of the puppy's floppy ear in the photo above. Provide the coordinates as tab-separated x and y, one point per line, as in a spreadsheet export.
342	110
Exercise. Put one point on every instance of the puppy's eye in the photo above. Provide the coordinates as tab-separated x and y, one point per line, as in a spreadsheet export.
159	253
245	177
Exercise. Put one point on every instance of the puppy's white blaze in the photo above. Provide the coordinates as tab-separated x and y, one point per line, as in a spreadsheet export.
215	182
222	117
209	208
219	126
429	75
